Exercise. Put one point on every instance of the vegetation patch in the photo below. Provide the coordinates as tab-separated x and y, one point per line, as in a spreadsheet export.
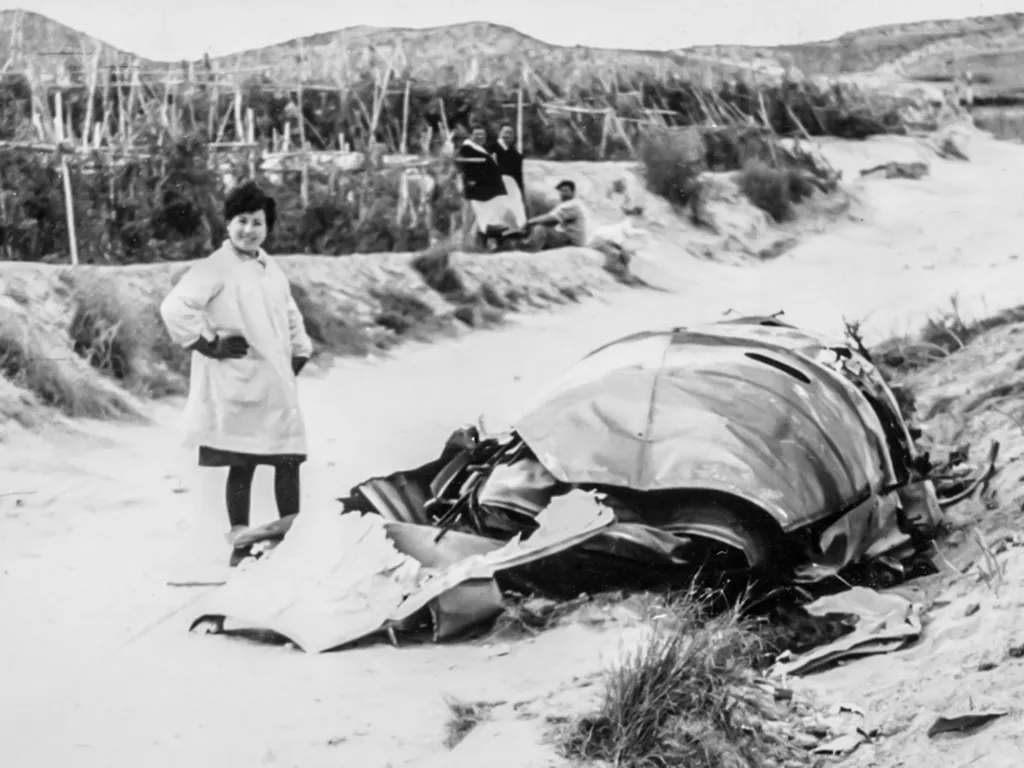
34	362
775	190
687	696
329	331
774	178
944	333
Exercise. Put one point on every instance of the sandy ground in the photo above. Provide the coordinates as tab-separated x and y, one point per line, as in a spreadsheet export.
99	670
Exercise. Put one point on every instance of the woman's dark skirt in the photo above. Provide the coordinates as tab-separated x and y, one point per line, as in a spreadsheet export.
217	457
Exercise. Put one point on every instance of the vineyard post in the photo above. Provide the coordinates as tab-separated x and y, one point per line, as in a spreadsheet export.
519	113
302	129
69	201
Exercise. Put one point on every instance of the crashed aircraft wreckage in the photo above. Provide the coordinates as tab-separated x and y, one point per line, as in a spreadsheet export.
741	448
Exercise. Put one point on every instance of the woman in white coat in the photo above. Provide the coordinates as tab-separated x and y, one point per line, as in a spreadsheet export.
235	311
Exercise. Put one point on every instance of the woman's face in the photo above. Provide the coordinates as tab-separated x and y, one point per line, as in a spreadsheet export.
479	135
247	231
507	135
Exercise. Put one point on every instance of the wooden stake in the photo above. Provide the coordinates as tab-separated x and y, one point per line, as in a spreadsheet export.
69	201
519	114
405	121
239	125
379	97
250	137
304	187
93	79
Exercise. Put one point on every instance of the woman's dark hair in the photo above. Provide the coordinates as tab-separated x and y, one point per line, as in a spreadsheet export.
249	198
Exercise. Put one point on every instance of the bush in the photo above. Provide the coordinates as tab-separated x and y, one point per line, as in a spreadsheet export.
329	331
165	205
55	376
402	313
686	696
671	164
672	161
775	190
123	341
437	271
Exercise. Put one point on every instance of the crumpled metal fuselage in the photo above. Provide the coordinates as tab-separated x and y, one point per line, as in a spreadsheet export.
766	414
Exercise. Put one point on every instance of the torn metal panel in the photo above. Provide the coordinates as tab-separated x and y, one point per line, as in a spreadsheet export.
334	580
569	521
886	622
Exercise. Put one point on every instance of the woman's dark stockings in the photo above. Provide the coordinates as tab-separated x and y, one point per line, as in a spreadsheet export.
239	492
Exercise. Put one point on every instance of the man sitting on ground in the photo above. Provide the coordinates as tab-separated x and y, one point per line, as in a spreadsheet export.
564	226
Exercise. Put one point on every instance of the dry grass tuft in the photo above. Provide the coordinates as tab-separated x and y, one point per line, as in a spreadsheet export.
34	362
435	265
774	190
482	306
686	696
330	332
943	334
124	340
405	314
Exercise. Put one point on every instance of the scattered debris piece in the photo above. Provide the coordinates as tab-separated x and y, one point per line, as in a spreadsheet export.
972	609
838	709
886	623
842	745
196	582
898	170
463	717
1016	651
963	723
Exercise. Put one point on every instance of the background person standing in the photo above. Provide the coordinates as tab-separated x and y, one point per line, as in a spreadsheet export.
483	186
510	163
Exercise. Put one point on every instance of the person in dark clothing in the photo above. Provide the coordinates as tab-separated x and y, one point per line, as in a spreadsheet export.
510	163
483	185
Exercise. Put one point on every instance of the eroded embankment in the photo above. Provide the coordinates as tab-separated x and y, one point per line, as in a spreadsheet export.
88	341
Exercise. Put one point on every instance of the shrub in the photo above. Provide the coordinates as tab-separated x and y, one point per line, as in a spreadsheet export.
401	312
102	332
329	331
685	696
671	163
435	266
123	340
55	375
774	190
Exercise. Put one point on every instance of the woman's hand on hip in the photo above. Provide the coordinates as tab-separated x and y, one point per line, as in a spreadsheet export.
228	347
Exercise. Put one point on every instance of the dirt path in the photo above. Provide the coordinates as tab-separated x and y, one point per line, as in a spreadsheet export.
102	672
